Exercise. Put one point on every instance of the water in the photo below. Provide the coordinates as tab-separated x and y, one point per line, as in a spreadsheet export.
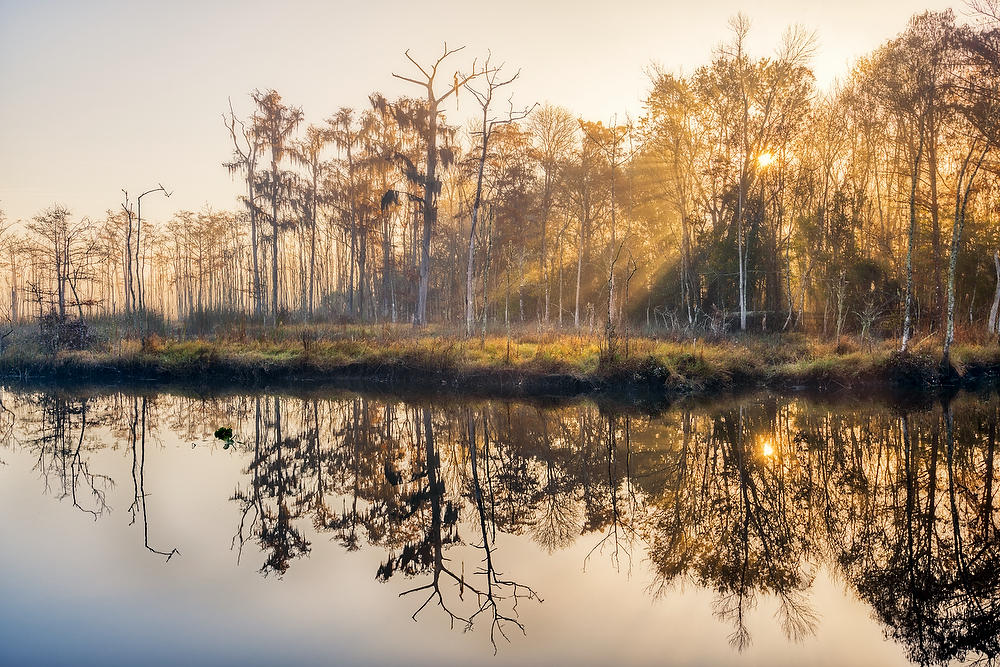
763	530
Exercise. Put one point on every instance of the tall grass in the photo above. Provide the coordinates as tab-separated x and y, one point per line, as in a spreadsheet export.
241	347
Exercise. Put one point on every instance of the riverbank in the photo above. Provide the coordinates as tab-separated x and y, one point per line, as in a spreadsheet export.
544	364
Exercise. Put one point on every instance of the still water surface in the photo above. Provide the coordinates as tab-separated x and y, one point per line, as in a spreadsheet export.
351	529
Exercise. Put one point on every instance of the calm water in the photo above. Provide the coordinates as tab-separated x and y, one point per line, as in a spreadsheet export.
345	529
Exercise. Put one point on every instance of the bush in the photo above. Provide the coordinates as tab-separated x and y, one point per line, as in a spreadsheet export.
61	333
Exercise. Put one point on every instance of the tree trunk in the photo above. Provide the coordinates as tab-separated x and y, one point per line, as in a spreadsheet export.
274	256
560	242
477	202
908	303
430	211
254	249
312	248
387	276
546	206
742	260
991	326
961	201
362	269
939	307
579	270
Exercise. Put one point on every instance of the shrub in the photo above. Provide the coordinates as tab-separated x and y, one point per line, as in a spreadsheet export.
61	333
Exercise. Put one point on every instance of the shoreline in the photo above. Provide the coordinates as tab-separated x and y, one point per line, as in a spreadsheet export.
656	371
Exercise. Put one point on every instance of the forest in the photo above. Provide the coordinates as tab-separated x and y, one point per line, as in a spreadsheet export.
743	199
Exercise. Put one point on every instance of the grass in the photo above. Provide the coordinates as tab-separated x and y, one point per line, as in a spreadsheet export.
528	363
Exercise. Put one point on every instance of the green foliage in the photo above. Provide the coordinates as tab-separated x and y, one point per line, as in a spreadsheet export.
225	434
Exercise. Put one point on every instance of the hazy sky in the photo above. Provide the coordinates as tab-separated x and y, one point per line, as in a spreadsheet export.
99	95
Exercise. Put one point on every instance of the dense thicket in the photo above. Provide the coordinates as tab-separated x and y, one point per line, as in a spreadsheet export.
742	198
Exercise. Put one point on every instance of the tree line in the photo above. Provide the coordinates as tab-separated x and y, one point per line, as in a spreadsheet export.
741	198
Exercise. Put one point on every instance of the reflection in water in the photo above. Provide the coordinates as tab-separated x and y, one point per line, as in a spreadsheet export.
62	458
137	443
747	499
274	497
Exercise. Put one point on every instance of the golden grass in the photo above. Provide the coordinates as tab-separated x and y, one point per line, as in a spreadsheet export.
657	364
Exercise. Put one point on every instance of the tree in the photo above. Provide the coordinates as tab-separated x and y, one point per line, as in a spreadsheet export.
487	124
610	143
246	151
136	264
308	154
553	129
671	138
64	248
273	123
901	80
431	184
585	181
769	100
978	121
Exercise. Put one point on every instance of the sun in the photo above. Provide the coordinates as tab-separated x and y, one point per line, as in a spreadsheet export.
765	159
767	449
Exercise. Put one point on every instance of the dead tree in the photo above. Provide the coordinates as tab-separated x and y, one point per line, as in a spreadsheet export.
431	185
139	258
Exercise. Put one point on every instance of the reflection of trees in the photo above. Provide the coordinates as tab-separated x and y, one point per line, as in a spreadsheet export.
137	443
614	508
496	590
59	429
932	572
62	456
464	597
746	498
729	521
8	420
440	520
268	505
558	519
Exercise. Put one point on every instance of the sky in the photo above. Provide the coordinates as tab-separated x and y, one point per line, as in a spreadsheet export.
103	95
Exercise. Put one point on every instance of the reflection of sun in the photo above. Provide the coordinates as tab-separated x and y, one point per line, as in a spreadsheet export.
767	448
764	159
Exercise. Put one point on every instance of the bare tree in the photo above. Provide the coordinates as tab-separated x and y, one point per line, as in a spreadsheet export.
64	247
430	182
139	256
246	150
493	82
